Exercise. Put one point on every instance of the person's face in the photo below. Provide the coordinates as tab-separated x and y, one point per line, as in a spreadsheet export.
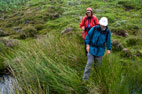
103	27
89	13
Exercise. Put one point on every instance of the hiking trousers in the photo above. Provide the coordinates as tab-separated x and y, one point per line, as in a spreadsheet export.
90	60
85	49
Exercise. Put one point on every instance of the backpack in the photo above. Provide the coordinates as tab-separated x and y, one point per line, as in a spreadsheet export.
93	20
87	29
99	36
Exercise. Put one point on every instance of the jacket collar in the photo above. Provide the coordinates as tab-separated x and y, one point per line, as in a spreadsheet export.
99	27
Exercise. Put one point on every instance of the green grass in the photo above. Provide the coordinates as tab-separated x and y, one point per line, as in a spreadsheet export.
47	69
8	5
55	62
45	66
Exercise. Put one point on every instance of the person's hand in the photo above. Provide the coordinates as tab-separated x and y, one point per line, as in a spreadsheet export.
83	28
87	48
108	52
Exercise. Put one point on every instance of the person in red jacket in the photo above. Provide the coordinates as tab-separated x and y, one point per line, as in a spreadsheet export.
87	23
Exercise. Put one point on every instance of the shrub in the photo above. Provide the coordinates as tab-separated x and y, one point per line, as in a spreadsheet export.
28	31
128	5
133	41
119	32
1	67
116	45
2	46
40	26
126	53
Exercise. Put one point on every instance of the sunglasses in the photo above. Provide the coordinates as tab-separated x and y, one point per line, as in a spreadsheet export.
88	12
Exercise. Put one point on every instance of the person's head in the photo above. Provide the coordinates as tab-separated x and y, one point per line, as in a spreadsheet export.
89	12
103	23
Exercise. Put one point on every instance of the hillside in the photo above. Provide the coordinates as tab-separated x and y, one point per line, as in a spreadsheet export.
43	60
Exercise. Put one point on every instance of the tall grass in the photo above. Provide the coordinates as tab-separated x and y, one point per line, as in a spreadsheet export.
39	69
55	64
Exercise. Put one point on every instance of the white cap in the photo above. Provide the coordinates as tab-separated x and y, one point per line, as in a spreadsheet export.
103	21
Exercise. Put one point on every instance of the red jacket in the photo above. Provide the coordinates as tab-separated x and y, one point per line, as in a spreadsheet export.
93	20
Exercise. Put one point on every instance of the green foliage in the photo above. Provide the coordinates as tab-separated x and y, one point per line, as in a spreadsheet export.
7	5
40	26
133	41
1	66
37	65
127	54
130	4
28	31
54	63
2	47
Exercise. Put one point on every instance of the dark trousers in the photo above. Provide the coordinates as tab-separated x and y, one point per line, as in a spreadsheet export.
85	48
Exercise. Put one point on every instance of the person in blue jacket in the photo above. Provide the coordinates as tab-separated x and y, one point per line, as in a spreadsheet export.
97	38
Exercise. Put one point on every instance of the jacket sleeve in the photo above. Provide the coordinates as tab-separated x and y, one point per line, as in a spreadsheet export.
96	20
108	41
82	23
87	40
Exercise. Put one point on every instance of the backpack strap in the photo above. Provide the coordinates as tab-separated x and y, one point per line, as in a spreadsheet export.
87	29
94	20
93	33
85	20
106	34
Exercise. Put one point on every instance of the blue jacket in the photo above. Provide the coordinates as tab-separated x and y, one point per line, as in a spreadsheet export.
97	39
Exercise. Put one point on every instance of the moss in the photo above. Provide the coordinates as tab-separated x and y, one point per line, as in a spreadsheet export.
2	46
119	32
3	33
133	28
60	23
116	45
43	31
9	25
110	16
138	53
39	26
133	41
1	66
85	2
128	5
28	31
11	21
127	54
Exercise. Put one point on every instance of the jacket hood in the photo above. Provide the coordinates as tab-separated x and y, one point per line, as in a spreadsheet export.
89	9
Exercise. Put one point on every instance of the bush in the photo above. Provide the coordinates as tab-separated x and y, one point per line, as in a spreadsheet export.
133	41
7	5
1	67
128	5
2	46
120	32
116	45
28	31
126	53
40	26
